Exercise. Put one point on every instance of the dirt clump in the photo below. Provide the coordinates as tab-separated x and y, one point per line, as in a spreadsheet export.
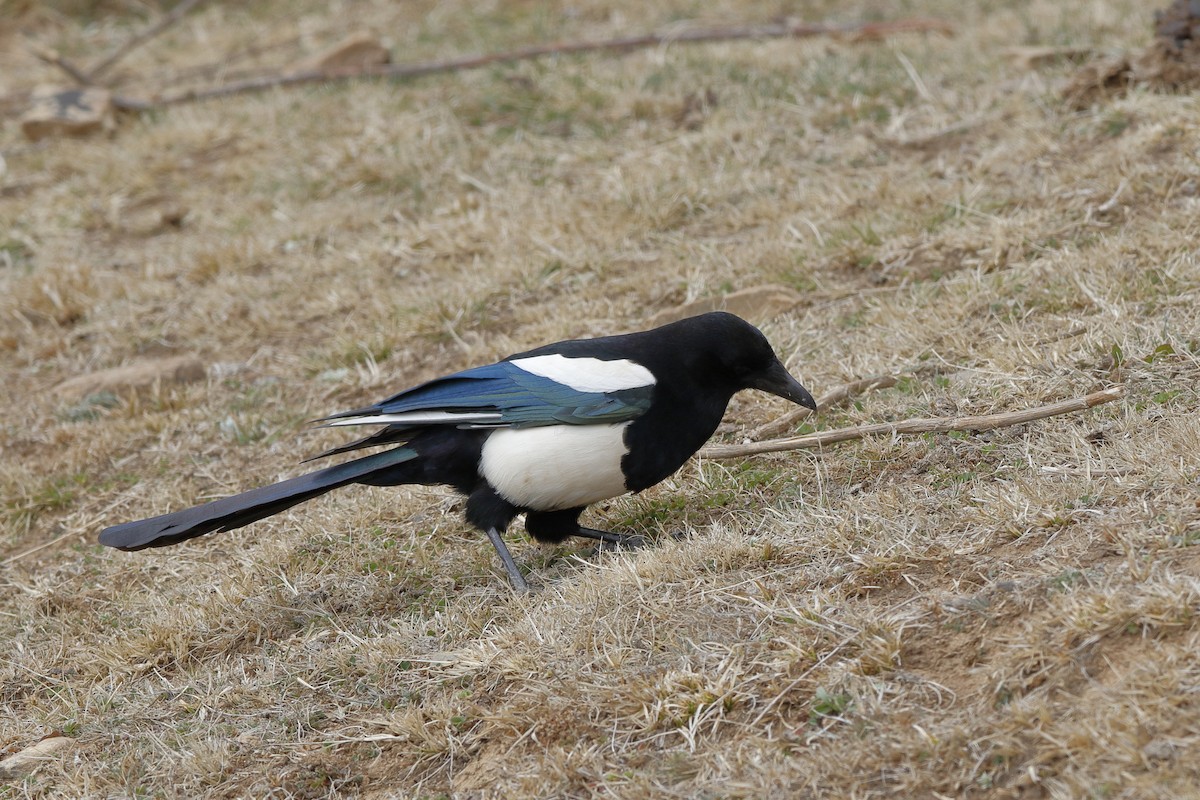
1171	61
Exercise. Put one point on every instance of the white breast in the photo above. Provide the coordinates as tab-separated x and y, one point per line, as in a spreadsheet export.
557	466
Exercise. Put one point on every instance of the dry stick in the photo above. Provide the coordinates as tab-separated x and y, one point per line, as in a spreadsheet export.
42	546
173	16
55	58
985	422
89	77
838	395
867	30
224	65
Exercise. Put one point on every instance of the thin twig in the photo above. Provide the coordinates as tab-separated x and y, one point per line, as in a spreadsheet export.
868	30
55	58
137	40
14	558
839	395
985	422
224	66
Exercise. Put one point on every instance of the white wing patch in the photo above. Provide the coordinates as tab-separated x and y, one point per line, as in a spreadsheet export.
419	418
557	466
588	374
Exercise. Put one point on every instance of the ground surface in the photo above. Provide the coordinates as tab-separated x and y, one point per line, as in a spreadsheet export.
1004	615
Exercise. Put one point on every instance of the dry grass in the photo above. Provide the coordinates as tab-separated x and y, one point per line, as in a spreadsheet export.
1005	615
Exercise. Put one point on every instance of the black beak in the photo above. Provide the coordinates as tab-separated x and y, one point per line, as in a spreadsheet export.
777	381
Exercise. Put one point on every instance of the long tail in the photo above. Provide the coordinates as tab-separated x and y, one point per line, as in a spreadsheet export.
242	509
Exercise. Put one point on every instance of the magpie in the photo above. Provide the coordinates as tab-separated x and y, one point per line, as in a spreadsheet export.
543	433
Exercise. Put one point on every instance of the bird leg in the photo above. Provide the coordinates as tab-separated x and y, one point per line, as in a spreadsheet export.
555	527
514	575
613	539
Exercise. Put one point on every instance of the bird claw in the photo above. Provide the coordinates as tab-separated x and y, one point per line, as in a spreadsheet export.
612	541
623	542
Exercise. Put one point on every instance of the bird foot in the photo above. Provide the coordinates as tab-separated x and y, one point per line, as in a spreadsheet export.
613	541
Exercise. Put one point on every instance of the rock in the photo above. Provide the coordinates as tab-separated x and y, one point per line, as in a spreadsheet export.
136	376
1171	61
67	112
26	761
1178	21
756	304
1159	750
150	216
356	51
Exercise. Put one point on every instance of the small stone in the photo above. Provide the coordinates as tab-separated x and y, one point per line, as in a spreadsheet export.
336	375
135	376
1159	750
26	761
228	369
968	603
356	51
67	112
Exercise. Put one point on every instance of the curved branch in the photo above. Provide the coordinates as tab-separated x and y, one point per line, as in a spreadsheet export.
985	422
856	31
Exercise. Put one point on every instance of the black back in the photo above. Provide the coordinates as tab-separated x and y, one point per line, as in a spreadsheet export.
699	364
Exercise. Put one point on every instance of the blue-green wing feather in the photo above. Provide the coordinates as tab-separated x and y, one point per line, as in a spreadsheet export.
519	398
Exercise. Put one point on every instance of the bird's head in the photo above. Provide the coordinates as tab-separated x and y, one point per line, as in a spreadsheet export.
739	355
